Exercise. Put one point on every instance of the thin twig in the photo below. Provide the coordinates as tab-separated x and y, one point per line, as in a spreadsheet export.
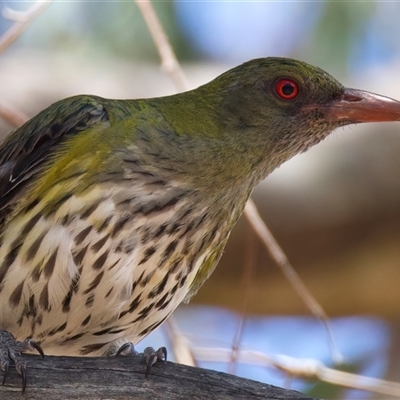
301	368
248	273
182	350
22	20
169	60
14	117
280	258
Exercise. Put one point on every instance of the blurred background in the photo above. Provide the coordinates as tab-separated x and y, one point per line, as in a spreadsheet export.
335	210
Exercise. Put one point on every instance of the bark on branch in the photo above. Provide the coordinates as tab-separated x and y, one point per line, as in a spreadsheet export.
123	378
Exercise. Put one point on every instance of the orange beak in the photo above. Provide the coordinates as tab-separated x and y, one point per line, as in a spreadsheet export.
361	106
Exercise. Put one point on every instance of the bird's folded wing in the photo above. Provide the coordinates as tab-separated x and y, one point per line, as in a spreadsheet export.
29	146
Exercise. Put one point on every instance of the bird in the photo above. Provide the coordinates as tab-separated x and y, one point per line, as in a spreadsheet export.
113	212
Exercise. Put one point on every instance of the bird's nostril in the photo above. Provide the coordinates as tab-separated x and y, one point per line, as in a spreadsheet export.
351	96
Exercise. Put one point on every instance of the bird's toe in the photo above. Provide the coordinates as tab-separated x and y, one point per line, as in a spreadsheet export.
10	354
150	355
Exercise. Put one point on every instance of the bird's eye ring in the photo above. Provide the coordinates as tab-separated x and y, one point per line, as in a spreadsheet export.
287	89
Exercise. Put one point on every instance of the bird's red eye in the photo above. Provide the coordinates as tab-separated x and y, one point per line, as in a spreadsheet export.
287	89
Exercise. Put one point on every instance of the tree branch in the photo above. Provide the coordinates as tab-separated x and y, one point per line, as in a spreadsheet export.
63	378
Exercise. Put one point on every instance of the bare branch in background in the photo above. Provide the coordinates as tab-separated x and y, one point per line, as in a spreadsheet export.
302	368
181	347
21	21
14	117
248	275
173	68
168	59
280	258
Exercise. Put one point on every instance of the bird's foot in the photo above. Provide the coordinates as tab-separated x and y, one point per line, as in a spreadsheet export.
10	354
150	355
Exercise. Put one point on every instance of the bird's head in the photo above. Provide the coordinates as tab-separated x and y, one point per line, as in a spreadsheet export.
284	106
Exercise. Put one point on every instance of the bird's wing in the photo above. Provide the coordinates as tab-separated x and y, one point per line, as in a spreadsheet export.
30	145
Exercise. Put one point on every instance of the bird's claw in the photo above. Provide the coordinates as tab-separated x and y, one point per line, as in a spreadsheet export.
10	352
127	349
150	355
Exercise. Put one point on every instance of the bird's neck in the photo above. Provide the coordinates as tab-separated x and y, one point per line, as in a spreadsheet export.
193	138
